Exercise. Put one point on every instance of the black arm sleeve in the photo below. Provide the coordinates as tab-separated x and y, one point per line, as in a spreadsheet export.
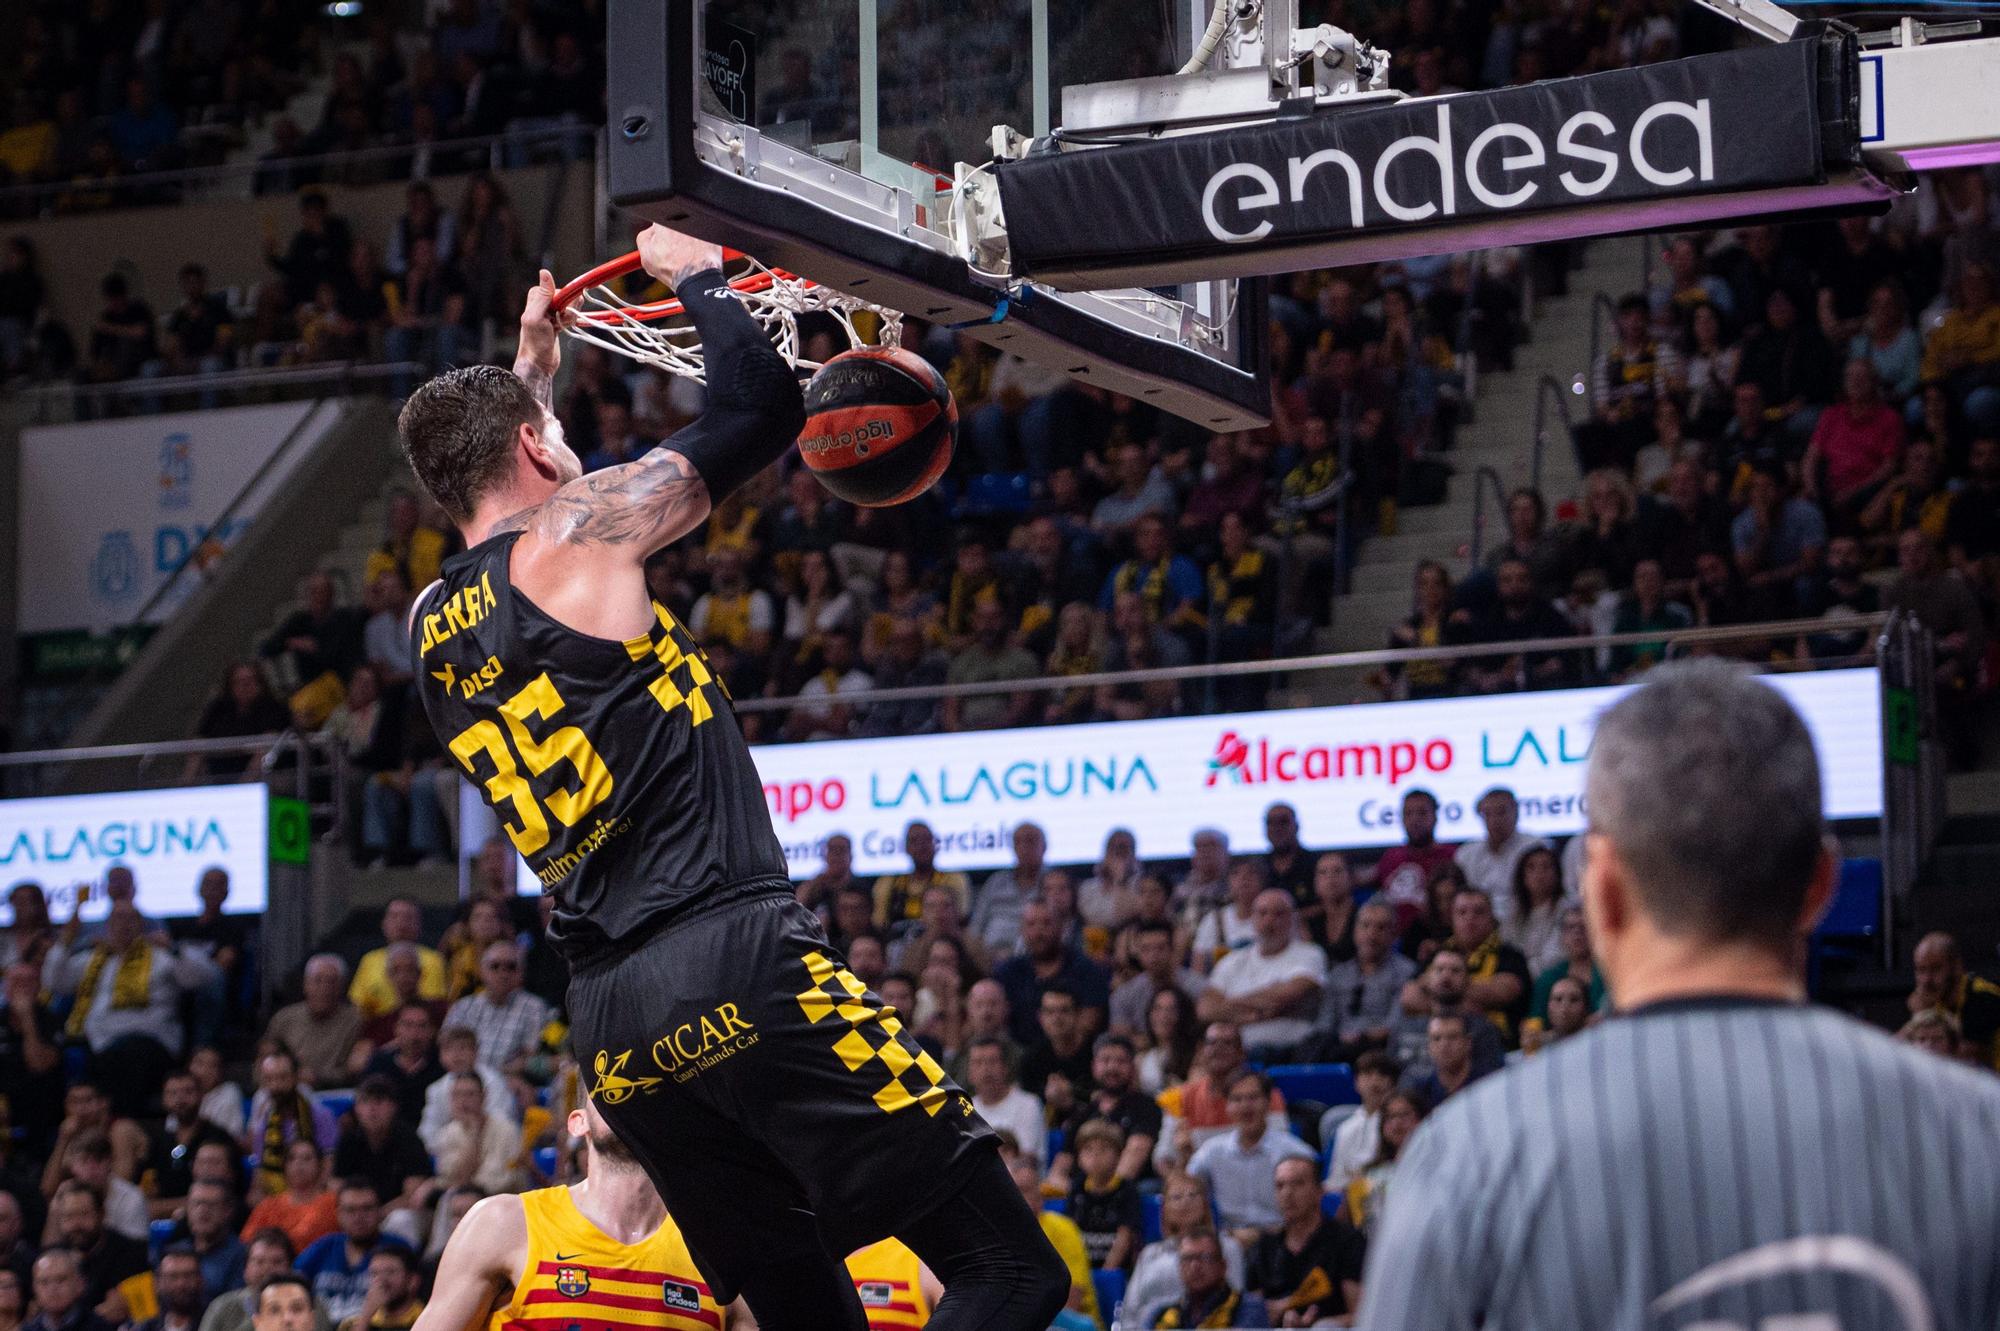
755	408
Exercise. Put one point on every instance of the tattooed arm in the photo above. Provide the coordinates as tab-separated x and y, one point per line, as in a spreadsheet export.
613	519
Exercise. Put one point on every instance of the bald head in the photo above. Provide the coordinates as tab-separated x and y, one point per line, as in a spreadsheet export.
1940	967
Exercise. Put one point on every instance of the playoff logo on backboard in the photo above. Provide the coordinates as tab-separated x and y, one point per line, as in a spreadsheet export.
729	62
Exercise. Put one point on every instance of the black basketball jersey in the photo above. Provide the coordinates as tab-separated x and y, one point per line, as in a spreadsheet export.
617	768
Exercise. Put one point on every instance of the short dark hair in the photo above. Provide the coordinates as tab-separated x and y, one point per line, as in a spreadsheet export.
1377	1061
1060	989
278	1280
1633	304
178	1250
458	432
270	1235
1113	1040
1248	1073
397	1251
1463	1022
194	270
376	1087
1148	928
1418	792
114	286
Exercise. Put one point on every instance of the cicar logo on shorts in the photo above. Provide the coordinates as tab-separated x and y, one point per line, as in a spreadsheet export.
693	1047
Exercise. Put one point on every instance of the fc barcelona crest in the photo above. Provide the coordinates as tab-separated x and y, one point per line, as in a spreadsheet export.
572	1282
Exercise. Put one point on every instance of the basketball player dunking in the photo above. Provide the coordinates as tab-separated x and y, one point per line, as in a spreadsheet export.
600	1255
785	1116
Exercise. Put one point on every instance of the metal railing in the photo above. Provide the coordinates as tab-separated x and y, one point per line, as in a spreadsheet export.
329	379
1483	480
1711	636
1600	304
1549	389
250	178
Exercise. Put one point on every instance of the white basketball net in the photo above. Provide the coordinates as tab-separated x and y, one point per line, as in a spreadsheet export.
657	333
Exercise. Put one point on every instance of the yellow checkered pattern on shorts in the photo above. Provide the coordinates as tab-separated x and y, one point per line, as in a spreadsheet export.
873	1033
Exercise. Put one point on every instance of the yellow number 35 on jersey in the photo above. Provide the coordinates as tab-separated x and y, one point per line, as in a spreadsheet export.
539	701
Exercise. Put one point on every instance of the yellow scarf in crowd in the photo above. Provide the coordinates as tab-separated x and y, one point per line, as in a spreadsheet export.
271	1159
131	987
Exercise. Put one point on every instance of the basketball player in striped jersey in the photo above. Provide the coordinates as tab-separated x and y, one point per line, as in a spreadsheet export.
897	1290
783	1114
600	1255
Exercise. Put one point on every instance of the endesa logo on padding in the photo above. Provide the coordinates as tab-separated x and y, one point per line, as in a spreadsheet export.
1242	760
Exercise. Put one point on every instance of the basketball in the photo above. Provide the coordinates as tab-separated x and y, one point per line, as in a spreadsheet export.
880	425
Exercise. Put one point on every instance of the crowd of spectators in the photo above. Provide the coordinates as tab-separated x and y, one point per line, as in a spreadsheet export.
107	91
1791	422
170	1143
425	292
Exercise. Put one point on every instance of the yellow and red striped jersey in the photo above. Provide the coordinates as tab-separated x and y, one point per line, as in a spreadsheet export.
577	1278
886	1275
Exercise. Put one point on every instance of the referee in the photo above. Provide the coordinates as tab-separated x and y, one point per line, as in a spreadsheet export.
1720	1155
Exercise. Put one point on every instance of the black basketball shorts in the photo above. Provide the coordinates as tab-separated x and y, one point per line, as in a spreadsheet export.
755	1077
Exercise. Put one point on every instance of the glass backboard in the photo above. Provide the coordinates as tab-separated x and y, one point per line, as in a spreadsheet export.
826	137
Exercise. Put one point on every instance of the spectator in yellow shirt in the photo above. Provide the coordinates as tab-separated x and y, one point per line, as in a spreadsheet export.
899	897
1963	351
408	547
1062	1233
372	990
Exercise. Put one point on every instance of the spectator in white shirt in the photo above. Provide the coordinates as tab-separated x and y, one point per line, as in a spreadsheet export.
1005	1106
458	1050
1271	988
1489	862
1239	1167
1228	926
1358	1139
88	1161
477	1145
1535	925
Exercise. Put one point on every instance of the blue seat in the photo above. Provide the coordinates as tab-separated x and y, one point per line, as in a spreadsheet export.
545	1161
1056	1205
1149	1216
1331	1204
1057	1143
1323	1083
1856	909
997	492
338	1103
157	1234
1110	1292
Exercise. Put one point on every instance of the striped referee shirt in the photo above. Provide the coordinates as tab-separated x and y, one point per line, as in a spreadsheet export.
1712	1164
